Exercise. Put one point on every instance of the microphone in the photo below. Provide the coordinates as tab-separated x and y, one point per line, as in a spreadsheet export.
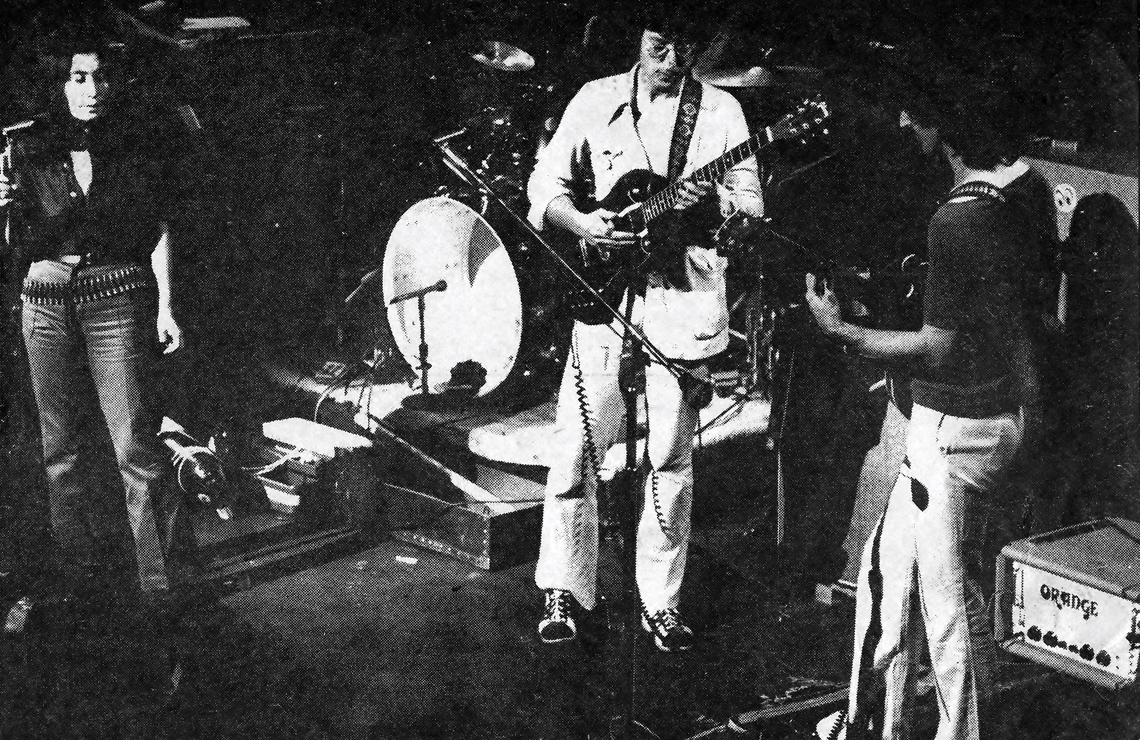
6	153
440	286
365	281
24	125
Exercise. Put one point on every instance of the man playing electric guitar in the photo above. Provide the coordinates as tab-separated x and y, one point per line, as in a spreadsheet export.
656	118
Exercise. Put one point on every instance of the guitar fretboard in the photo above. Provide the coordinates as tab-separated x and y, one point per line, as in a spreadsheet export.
664	200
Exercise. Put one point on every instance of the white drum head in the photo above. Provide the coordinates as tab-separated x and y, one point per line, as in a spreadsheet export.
478	317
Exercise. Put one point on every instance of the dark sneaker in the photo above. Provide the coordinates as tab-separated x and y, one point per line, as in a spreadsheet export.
557	623
669	630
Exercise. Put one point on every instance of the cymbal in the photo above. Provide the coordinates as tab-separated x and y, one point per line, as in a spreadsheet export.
756	76
504	57
798	72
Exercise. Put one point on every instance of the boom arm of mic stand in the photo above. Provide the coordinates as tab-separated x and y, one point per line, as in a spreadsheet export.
458	162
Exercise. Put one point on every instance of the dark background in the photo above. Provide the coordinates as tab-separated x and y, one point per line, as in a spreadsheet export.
315	138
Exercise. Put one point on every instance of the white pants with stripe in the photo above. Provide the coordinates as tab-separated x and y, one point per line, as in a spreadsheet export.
568	553
927	549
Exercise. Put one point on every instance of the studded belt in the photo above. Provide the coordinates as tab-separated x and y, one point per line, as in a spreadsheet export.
86	288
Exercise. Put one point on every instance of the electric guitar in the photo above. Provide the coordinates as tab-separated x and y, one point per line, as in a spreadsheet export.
642	197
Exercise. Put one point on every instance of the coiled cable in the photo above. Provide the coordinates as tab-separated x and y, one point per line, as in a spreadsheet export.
591	452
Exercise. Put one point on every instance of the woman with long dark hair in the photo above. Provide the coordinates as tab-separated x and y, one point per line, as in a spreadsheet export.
89	209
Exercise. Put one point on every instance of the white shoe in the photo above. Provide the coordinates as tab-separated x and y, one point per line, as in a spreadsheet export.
17	617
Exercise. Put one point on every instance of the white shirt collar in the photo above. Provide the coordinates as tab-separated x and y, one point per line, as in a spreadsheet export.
999	177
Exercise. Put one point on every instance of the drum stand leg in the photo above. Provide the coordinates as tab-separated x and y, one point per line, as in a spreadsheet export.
754	372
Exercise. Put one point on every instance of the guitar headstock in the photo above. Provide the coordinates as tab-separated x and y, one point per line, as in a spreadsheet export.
806	121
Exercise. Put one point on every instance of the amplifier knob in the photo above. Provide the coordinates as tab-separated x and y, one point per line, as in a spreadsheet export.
1034	633
1087	652
1050	639
1104	658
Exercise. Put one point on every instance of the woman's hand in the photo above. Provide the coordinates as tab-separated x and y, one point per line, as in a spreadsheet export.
169	332
7	191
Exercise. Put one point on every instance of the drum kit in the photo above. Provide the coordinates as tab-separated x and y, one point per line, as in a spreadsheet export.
487	321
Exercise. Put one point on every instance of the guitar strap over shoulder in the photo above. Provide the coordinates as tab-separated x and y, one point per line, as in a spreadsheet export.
687	109
976	189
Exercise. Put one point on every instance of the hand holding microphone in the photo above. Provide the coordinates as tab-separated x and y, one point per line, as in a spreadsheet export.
7	187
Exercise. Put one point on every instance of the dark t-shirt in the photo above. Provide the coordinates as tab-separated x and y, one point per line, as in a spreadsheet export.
985	257
119	219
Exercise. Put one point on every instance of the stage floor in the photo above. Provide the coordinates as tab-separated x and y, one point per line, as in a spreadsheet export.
395	642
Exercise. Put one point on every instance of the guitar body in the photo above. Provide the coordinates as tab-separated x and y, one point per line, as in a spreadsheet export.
660	241
630	191
667	233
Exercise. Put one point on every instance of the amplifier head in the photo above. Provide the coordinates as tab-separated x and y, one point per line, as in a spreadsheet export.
1070	599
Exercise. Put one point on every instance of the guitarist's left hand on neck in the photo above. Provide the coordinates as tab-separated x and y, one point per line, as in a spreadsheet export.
690	193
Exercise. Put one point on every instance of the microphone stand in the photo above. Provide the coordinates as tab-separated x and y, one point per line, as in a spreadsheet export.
636	346
14	410
419	296
424	364
624	529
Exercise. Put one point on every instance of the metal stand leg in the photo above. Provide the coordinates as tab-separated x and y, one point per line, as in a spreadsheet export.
424	364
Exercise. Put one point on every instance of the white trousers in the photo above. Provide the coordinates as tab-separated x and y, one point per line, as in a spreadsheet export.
927	549
568	553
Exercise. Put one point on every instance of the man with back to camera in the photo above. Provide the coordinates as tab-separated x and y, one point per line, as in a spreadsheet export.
614	126
974	381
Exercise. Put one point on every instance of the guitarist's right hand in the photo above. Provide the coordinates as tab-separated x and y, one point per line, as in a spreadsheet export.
597	229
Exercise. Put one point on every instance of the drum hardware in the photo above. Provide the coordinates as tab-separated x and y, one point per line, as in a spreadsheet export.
365	282
736	237
499	145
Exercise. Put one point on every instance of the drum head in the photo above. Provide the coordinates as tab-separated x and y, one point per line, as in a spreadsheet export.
479	317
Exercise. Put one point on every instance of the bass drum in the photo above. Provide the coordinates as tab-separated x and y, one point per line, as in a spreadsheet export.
512	329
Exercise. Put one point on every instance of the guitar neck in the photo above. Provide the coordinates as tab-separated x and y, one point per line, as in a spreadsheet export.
664	200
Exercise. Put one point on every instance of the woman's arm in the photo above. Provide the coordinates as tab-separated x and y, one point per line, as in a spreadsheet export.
161	262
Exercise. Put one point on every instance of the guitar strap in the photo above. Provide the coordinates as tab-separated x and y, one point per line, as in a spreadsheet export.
976	189
687	109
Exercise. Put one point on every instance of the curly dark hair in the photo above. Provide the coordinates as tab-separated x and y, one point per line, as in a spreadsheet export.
980	122
962	92
688	20
55	43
